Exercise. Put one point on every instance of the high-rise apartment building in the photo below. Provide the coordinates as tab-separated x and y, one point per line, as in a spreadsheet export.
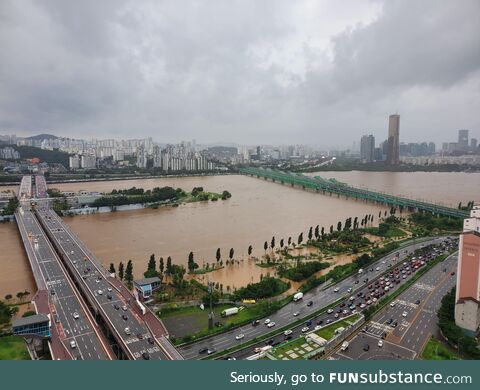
467	300
157	156
367	148
393	149
141	157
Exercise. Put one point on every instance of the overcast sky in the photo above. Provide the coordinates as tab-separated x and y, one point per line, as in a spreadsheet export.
279	72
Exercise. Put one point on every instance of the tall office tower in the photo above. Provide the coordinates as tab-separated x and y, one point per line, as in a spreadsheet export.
157	156
463	140
473	144
367	148
467	299
141	157
393	151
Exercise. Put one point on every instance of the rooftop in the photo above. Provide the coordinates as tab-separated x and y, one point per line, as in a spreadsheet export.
30	320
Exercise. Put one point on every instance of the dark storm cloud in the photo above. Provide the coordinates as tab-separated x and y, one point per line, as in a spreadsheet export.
241	71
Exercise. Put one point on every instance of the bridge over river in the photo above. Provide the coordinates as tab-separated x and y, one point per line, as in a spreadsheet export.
332	186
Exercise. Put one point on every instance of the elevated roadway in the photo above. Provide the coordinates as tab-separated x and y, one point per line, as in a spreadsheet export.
332	186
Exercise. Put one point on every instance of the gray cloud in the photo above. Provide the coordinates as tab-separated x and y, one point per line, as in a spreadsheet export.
241	71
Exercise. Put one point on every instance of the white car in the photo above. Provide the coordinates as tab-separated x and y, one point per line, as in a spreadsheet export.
336	315
71	252
100	292
318	327
296	313
288	332
377	269
330	311
362	306
271	324
380	343
336	289
305	329
127	331
350	290
109	289
267	321
393	303
240	336
73	344
76	316
124	308
404	314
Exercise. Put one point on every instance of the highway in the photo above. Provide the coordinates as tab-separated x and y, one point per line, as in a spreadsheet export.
119	313
405	327
61	299
321	297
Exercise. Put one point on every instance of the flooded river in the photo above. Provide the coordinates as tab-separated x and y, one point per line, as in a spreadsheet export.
257	211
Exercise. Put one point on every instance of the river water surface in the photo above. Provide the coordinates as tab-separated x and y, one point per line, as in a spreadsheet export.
257	211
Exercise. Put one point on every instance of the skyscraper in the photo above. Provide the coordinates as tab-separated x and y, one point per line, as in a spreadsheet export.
463	140
141	157
393	151
467	299
367	148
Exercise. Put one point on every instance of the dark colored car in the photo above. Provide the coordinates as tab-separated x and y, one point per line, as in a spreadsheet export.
366	347
146	356
310	303
109	296
150	340
116	307
140	336
255	322
202	351
125	317
289	337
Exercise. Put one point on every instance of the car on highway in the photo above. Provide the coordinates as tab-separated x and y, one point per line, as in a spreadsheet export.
296	313
271	324
288	332
211	350
203	351
267	321
76	315
255	322
239	336
305	329
328	321
330	311
336	289
317	327
310	303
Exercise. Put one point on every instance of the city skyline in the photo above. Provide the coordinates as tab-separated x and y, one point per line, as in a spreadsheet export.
296	73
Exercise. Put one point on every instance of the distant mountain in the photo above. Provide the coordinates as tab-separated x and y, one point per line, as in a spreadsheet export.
42	137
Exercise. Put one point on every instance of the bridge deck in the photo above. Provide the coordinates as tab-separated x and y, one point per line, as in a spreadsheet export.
334	187
57	297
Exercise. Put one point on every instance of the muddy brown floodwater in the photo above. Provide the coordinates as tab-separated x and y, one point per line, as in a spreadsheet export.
257	211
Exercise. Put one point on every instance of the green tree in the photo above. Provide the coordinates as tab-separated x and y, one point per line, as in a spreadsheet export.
8	297
121	271
250	249
218	255
151	267
322	233
232	252
129	274
339	226
161	266
317	232
289	241
300	238
112	268
310	233
272	243
169	266
192	266
282	243
265	246
331	229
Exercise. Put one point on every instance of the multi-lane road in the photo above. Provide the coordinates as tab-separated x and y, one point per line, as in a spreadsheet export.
405	326
320	296
74	328
93	279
